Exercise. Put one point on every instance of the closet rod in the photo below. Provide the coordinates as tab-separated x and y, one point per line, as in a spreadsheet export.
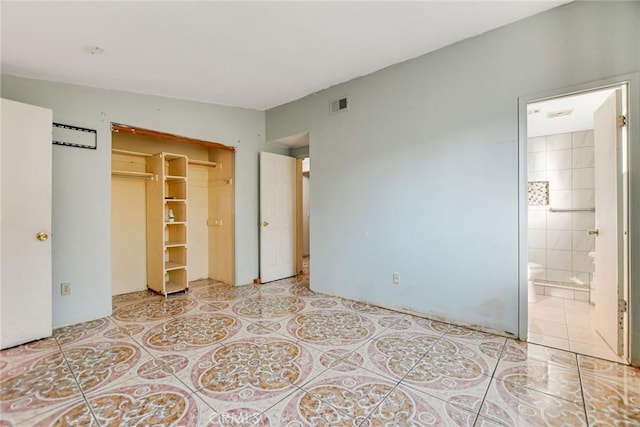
134	175
204	163
573	210
130	153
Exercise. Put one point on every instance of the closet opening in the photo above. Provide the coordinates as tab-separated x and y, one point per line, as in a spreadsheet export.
172	211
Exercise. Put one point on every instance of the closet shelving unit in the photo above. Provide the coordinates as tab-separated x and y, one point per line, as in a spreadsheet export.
167	237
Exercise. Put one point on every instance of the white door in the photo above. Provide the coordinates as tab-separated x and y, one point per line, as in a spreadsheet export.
277	217
25	211
608	279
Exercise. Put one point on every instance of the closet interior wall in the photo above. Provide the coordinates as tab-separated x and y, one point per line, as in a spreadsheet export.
210	222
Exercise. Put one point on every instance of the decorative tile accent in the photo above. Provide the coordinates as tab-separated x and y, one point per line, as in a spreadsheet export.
538	193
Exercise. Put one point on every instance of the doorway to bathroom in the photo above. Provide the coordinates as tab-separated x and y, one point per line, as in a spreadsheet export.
576	189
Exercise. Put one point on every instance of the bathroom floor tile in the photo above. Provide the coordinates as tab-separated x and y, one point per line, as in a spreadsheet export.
551	329
602	352
554	342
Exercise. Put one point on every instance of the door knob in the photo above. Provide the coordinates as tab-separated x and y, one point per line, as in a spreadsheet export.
594	232
265	224
42	236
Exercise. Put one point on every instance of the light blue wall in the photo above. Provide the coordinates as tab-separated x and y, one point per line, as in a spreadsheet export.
420	176
81	229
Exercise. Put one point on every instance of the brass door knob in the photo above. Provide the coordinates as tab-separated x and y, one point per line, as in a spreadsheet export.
265	224
42	236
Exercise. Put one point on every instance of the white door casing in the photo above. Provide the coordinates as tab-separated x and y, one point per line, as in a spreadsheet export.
277	217
608	283
25	200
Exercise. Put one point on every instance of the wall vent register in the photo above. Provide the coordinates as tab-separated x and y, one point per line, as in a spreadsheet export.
339	105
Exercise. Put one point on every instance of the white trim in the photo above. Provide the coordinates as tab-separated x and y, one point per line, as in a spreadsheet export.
632	82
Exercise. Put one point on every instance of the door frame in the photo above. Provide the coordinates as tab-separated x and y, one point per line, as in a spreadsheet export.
631	327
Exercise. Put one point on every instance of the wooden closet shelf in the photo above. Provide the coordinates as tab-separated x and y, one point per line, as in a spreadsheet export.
132	174
171	265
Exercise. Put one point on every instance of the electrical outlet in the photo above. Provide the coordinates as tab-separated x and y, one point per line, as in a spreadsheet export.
65	289
396	278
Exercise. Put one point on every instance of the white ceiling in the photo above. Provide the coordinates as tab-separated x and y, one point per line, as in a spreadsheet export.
582	107
247	54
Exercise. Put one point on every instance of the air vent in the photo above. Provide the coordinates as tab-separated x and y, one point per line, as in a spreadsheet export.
559	113
339	105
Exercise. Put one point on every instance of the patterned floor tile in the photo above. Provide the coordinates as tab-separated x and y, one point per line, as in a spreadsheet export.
191	332
224	293
331	328
455	357
302	409
394	354
119	301
95	364
614	371
136	403
267	307
487	422
519	351
321	302
543	377
352	395
72	414
404	406
302	291
423	323
237	417
13	356
280	354
153	309
611	402
38	384
88	331
260	371
513	405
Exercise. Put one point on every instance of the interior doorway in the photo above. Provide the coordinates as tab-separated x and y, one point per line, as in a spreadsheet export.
304	215
577	217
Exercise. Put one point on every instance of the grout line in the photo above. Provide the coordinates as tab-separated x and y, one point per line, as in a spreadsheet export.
584	401
75	379
486	392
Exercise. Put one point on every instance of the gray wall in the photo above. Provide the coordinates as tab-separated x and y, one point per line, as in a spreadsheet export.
81	229
420	176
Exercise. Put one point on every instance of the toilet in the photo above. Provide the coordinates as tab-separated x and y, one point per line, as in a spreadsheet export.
534	272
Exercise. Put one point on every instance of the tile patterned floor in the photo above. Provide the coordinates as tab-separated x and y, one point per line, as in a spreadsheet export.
567	325
282	355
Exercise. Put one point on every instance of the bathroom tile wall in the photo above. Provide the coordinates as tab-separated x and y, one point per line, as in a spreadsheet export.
559	241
